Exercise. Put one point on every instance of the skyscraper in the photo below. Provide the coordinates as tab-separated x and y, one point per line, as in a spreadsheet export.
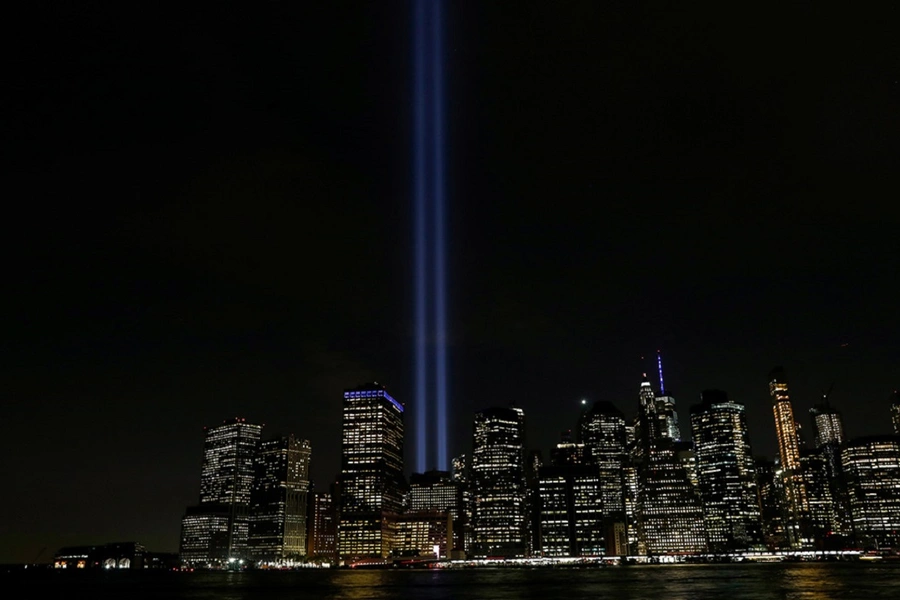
668	517
872	467
323	526
796	505
571	518
725	472
279	500
371	481
498	478
217	529
771	503
602	431
437	492
828	428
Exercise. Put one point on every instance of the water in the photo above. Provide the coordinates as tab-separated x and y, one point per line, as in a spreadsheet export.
793	581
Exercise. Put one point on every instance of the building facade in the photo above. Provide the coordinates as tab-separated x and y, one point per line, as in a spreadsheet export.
279	501
796	504
872	468
371	481
726	474
498	483
217	529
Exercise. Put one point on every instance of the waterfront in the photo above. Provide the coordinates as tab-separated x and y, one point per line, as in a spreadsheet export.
670	582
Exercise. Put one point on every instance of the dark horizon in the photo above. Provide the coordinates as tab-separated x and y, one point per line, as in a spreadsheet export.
212	218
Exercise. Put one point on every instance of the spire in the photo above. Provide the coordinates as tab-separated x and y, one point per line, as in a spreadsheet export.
662	387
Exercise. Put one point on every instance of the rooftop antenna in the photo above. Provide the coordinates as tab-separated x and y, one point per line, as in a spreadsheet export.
662	387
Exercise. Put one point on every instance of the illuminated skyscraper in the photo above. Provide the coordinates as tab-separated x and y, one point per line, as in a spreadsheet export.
665	409
668	517
725	472
771	503
571	518
602	431
821	519
323	526
217	529
498	478
796	505
438	492
371	481
872	466
279	500
828	426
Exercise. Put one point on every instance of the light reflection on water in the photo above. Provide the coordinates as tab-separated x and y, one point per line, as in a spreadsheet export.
799	581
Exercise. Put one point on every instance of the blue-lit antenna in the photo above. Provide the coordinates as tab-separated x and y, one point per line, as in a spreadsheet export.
662	387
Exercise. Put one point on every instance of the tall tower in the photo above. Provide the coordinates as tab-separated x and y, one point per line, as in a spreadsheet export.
371	482
726	472
796	505
665	408
217	528
498	481
279	500
602	431
872	466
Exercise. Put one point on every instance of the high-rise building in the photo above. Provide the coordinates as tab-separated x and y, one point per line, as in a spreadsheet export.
771	503
895	411
568	451
571	518
279	500
828	428
462	475
668	517
725	472
602	431
668	511
323	525
437	492
216	530
498	478
872	467
371	481
820	521
796	505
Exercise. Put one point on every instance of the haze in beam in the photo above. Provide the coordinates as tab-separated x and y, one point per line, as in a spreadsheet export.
430	238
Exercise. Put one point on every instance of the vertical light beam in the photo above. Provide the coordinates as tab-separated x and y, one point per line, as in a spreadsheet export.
440	274
420	210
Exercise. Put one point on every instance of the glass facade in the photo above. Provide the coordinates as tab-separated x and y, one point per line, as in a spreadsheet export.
571	517
796	505
498	480
872	468
726	474
218	528
372	484
279	500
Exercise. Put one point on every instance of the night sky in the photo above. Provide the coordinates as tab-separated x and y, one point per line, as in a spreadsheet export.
208	216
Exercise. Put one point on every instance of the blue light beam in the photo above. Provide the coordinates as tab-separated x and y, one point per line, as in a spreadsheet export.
420	210
440	292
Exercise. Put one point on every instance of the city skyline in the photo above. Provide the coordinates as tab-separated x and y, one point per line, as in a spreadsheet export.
215	219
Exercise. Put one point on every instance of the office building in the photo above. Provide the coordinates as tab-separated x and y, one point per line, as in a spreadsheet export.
796	505
371	480
217	529
602	431
498	483
895	411
279	501
323	525
872	468
726	473
571	517
437	492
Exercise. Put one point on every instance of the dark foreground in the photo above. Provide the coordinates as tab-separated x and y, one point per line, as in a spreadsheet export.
732	582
